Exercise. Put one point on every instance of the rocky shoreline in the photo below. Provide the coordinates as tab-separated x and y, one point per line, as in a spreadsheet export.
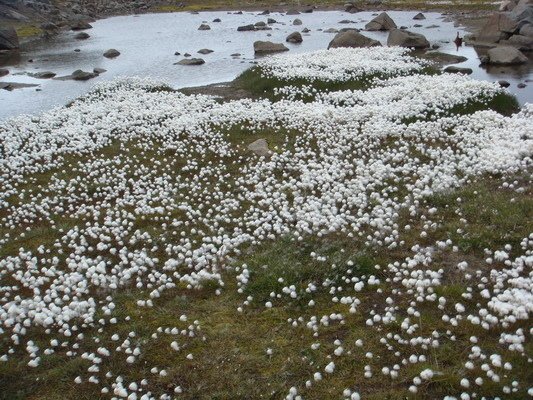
44	18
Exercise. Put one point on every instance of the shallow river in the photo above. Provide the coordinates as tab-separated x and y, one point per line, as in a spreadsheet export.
148	43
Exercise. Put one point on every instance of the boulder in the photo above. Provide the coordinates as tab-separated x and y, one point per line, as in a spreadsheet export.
205	51
352	38
458	70
99	71
297	22
505	55
204	27
504	84
111	53
4	72
217	20
402	38
306	30
295	37
80	75
419	16
8	39
82	36
526	30
381	23
498	27
261	47
260	148
523	43
271	21
523	11
43	75
245	28
190	61
80	25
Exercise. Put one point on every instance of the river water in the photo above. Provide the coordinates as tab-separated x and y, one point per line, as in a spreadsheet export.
148	42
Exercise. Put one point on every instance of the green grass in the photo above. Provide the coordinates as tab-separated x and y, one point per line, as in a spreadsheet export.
258	85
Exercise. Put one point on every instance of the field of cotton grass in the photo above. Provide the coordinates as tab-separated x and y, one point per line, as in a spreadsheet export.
383	250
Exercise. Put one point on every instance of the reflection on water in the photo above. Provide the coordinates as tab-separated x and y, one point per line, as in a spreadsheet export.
148	42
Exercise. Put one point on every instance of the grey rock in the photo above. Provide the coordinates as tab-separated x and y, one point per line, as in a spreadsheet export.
523	43
4	72
419	16
521	85
297	22
204	27
80	26
217	20
190	61
271	21
458	70
331	30
111	53
526	30
99	71
43	75
80	75
292	12
498	27
245	28
82	36
504	84
262	47
352	38
9	86
505	55
402	38
205	51
381	23
260	148
8	39
295	37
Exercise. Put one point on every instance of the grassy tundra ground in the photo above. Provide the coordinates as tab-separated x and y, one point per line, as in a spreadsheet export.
152	170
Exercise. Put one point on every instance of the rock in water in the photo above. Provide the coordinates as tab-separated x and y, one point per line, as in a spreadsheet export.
398	37
352	38
458	70
381	23
505	55
80	75
260	148
4	72
43	75
80	25
8	39
245	28
205	51
204	27
261	47
295	37
112	53
297	22
82	36
419	16
191	61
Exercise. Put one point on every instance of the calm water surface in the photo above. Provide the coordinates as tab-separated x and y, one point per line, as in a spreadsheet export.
148	42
